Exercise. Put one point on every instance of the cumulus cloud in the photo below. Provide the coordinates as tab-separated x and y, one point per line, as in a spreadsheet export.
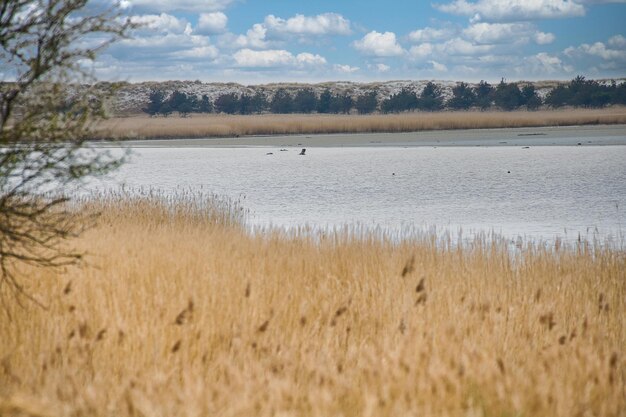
455	47
199	52
162	23
618	41
161	40
544	64
345	69
458	46
379	44
379	67
276	58
612	51
479	44
499	33
513	10
211	23
543	38
269	58
160	56
382	67
156	44
307	58
421	51
429	34
254	38
438	67
179	5
486	33
320	25
274	31
599	50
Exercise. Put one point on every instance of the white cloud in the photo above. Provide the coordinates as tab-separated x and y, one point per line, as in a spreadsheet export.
600	56
486	33
269	58
382	67
543	38
455	47
513	10
163	23
544	64
421	51
458	46
345	69
254	38
210	23
157	44
438	66
599	50
307	58
161	40
204	52
618	41
482	43
320	25
500	33
274	30
276	58
429	34
179	5
379	44
158	56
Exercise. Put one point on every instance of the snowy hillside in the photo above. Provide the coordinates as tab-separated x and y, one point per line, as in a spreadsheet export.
131	98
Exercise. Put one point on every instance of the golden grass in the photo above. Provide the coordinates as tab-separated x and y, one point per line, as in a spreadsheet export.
180	314
199	126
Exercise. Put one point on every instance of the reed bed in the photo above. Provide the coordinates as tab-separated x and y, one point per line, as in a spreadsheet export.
179	313
199	126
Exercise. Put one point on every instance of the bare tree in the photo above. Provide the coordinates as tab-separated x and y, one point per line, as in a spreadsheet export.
44	129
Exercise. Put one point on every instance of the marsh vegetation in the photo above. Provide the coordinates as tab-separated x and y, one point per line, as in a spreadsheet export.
200	126
181	311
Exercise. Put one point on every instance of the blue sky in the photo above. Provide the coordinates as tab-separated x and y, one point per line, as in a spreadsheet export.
260	41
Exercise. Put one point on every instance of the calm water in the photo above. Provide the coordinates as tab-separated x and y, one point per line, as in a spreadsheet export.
549	191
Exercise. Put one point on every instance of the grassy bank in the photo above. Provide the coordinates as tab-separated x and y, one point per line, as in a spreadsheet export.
199	126
180	314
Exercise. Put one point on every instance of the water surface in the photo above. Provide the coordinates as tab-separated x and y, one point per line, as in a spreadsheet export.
538	192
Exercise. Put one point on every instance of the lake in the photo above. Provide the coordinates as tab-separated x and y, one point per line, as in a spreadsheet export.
537	193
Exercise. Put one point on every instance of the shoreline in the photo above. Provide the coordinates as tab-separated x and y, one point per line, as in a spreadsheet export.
590	135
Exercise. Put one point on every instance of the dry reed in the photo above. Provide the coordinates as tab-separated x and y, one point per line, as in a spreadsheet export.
180	314
198	126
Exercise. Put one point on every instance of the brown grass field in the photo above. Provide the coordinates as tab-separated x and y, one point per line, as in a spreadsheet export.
198	126
181	313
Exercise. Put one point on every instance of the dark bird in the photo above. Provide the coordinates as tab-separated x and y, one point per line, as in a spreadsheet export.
303	151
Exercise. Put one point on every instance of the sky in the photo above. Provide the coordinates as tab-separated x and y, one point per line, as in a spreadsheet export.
262	41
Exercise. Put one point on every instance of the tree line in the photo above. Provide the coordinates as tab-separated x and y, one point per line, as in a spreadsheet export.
579	92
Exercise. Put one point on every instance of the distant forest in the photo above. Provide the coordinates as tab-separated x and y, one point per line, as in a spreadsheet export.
579	92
